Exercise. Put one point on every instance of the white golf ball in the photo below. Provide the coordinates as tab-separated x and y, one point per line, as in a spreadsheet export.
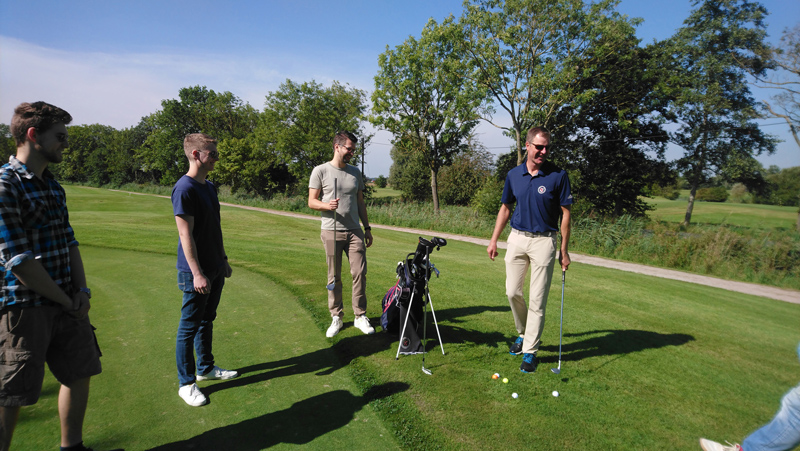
555	393
514	395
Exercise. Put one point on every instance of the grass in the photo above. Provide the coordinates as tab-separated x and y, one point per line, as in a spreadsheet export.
647	363
741	215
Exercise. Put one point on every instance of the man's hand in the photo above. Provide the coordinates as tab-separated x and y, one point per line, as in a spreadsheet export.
201	284
368	237
228	269
333	204
80	305
563	258
492	250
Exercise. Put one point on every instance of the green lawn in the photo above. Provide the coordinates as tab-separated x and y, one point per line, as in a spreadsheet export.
647	363
744	215
386	192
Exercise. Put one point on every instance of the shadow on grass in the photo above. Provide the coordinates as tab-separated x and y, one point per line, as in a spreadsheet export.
613	342
300	424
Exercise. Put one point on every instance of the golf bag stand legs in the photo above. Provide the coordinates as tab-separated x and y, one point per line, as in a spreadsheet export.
435	323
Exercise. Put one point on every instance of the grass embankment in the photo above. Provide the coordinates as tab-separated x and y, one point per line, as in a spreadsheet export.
647	363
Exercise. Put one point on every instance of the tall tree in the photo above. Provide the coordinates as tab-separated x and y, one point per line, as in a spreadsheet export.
720	43
424	99
531	56
198	110
7	145
300	120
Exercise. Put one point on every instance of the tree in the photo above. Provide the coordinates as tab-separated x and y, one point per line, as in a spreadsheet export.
531	56
300	120
423	98
786	104
720	43
461	180
7	145
198	110
88	155
410	174
615	138
252	168
381	181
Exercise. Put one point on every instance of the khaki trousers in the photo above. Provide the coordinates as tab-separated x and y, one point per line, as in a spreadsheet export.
351	244
537	251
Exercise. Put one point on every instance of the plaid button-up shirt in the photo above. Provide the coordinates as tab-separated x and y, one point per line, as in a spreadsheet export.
34	223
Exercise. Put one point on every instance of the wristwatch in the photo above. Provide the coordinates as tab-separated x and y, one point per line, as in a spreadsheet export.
87	291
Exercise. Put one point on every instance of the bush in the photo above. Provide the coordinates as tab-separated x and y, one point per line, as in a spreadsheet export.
713	194
487	200
381	181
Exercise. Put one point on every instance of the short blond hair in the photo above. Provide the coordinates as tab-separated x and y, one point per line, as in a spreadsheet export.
197	141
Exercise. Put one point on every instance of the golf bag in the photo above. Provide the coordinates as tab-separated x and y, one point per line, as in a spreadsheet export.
409	293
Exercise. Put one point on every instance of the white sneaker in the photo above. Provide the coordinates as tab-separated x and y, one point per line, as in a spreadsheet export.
218	373
192	395
336	326
710	445
362	323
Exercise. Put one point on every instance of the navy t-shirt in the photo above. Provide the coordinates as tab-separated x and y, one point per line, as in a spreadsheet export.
199	200
539	198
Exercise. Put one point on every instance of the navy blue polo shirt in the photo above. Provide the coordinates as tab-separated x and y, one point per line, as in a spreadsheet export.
539	198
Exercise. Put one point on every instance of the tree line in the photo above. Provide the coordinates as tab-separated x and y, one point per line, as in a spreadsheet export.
577	68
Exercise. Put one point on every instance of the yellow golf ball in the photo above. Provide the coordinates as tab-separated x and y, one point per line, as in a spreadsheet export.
505	380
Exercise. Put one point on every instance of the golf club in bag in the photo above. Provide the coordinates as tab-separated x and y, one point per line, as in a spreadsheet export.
561	328
406	303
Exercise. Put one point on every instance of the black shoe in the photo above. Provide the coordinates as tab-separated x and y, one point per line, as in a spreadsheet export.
529	363
516	347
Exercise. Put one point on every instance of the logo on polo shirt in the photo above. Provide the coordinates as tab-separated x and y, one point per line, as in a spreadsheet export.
542	189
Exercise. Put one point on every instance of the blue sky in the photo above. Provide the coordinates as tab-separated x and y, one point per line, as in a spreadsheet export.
112	62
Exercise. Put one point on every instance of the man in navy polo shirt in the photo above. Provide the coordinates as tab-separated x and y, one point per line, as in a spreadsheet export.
542	193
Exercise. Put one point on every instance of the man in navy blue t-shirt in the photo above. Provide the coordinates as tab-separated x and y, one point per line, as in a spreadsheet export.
202	267
541	192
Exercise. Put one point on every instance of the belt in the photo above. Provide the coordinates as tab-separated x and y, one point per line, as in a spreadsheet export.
534	234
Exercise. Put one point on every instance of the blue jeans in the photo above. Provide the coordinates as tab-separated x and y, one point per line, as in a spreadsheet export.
196	328
783	432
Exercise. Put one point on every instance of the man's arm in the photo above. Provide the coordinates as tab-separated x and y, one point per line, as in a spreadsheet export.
78	276
315	204
362	214
33	275
502	219
185	227
566	228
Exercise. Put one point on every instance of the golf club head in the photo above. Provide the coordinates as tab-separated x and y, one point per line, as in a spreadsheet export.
555	370
427	371
330	286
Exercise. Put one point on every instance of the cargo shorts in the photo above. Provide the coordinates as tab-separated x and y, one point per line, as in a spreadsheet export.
33	336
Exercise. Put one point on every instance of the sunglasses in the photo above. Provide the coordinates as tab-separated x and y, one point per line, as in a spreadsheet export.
540	146
212	153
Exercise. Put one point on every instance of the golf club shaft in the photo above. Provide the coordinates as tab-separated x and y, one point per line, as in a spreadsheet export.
561	327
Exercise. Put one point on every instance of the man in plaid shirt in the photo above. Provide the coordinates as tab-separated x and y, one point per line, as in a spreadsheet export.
43	312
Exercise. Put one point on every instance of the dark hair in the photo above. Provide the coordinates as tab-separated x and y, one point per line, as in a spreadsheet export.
533	132
342	137
39	115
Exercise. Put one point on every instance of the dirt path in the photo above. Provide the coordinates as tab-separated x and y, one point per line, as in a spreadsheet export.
780	294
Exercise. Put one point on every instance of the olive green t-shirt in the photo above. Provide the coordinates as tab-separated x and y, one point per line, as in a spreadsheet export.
348	183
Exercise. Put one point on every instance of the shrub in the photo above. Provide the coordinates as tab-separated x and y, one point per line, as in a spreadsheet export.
487	200
713	194
381	181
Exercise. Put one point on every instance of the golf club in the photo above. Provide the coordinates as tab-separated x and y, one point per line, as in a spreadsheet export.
332	285
561	328
425	312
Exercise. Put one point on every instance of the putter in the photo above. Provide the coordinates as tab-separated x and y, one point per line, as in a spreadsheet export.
561	328
332	285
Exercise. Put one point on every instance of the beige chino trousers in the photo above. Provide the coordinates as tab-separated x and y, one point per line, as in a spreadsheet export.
351	244
537	251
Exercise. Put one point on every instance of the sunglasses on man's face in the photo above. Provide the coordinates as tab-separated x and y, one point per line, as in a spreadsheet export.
212	153
540	146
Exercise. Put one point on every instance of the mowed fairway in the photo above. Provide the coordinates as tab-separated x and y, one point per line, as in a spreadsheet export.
746	215
647	363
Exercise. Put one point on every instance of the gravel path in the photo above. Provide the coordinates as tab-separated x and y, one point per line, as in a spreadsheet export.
780	294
